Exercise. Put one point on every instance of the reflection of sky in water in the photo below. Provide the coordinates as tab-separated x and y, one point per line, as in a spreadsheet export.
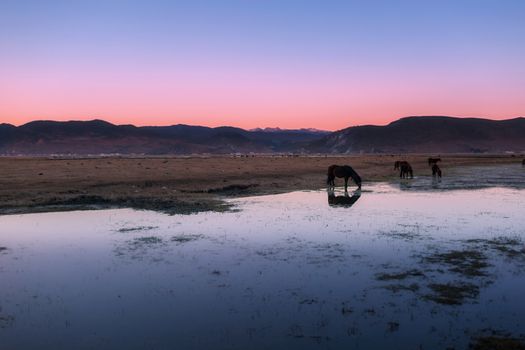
288	271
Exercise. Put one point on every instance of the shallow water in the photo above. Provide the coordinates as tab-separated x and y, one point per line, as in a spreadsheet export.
286	271
468	177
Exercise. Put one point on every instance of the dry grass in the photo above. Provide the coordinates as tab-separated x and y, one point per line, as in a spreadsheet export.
186	184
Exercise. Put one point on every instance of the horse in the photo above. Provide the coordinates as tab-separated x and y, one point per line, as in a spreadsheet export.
405	169
345	171
433	161
343	201
523	162
436	171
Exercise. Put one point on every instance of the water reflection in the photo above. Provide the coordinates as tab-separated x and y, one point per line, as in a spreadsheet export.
462	178
401	270
344	200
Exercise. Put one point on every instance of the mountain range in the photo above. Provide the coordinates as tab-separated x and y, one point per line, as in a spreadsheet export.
424	134
428	134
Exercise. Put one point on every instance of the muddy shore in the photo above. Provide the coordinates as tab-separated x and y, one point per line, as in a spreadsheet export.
187	184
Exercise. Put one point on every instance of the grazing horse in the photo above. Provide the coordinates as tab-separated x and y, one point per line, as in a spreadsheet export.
345	171
436	171
343	201
433	161
405	169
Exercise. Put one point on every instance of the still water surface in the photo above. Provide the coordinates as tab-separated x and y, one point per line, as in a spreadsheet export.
293	271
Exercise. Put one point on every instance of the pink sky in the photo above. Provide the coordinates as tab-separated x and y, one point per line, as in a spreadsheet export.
288	64
247	99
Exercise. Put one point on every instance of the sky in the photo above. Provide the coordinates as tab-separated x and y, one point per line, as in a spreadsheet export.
324	64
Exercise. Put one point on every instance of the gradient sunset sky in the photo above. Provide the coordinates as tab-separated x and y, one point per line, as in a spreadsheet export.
326	64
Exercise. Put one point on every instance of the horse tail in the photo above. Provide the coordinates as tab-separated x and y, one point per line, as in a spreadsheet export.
330	175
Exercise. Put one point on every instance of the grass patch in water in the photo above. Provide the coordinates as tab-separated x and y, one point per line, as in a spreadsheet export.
393	326
396	288
139	228
185	238
469	263
399	276
144	242
494	340
346	309
452	293
6	321
509	246
139	248
404	235
147	240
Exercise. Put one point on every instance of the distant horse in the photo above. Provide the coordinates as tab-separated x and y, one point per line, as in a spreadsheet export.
405	169
436	171
343	201
433	161
345	171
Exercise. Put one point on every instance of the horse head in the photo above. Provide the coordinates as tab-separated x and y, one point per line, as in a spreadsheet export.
357	180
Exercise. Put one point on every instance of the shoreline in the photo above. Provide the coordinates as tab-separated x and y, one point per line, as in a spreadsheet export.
188	185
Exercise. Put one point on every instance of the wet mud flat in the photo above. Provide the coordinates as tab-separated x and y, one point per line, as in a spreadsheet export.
395	267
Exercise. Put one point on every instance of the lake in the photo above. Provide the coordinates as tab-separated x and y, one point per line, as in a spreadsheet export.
392	267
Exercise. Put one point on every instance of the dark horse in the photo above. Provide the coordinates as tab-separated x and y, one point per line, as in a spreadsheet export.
436	171
433	161
343	201
405	170
345	171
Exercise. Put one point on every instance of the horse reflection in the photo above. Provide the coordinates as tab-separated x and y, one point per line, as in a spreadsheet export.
343	200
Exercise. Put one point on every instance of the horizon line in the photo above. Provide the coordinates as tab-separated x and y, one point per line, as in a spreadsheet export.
258	127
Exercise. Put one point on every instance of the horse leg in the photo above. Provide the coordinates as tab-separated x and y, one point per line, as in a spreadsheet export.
346	184
330	181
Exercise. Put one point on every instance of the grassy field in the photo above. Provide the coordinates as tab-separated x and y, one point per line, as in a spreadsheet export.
185	185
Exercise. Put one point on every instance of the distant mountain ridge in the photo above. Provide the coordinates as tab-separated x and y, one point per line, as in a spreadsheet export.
100	137
307	130
425	134
428	134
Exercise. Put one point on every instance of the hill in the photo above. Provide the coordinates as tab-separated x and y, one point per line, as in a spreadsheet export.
101	137
433	134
